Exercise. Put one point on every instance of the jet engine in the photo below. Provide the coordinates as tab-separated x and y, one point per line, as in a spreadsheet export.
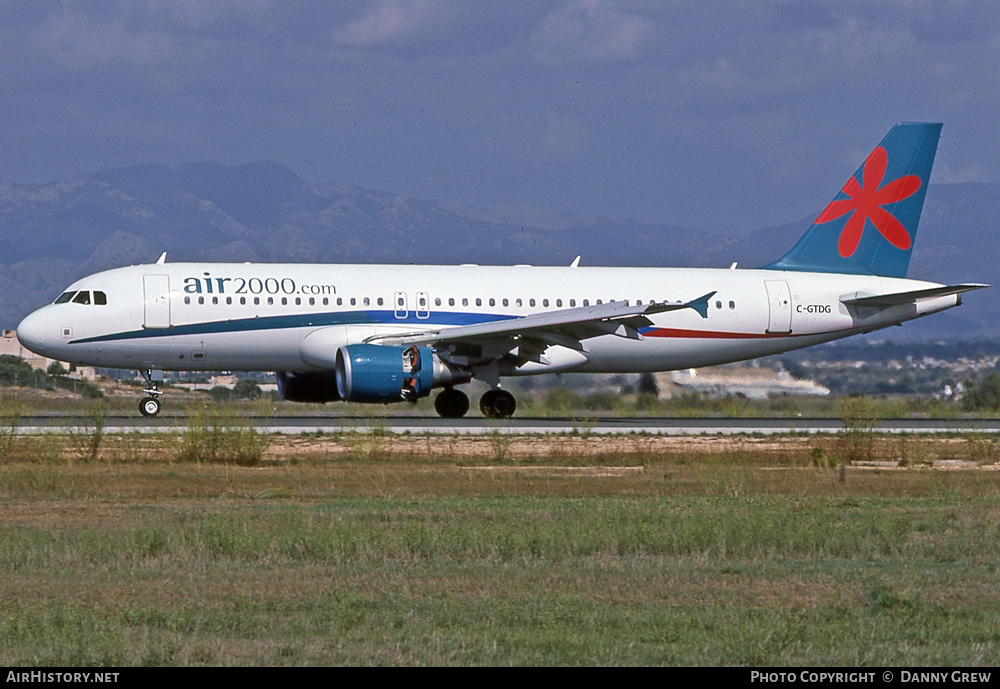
386	373
307	387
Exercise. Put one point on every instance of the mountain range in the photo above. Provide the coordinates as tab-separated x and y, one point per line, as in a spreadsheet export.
54	233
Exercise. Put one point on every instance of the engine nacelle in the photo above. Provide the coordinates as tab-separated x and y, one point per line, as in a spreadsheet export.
389	373
382	373
307	387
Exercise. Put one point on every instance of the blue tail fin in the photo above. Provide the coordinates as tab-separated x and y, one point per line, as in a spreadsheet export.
870	226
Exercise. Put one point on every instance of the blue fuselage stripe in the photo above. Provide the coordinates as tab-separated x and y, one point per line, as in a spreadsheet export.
310	320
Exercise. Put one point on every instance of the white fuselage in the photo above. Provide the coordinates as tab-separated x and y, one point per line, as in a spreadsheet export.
293	317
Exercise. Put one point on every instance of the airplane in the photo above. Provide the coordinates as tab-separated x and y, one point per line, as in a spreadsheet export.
394	333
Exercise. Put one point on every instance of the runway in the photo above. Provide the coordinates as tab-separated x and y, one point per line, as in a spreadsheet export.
338	423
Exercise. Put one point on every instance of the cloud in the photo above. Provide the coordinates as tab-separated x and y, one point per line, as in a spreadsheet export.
589	30
389	21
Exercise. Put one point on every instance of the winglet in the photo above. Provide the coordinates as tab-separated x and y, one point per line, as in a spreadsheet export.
701	304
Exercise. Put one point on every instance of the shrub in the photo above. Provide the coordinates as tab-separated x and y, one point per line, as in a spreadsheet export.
214	435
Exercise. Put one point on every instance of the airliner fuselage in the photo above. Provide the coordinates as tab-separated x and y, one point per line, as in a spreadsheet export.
294	317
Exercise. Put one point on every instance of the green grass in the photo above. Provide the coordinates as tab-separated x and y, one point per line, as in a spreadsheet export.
406	557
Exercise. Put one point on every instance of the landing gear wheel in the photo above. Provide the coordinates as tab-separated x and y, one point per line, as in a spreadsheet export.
149	406
451	404
497	404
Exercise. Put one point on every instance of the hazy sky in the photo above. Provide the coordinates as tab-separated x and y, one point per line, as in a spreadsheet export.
722	115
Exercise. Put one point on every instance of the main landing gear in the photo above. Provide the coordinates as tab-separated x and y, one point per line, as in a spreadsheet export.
150	405
451	403
494	404
497	404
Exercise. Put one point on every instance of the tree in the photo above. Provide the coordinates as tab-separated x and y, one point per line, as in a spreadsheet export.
647	385
983	394
247	389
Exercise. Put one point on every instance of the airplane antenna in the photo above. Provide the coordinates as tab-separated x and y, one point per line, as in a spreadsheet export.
162	259
575	263
733	267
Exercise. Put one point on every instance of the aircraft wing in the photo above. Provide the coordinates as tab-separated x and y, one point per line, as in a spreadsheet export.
531	335
898	298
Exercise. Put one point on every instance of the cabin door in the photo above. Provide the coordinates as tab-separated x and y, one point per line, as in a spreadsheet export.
156	301
779	303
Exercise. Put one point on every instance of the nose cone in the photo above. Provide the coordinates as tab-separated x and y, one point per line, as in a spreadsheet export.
34	332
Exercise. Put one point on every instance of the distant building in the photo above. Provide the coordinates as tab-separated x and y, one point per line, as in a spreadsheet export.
9	344
754	383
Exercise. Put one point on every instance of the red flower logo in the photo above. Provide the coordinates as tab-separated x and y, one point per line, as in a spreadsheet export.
865	203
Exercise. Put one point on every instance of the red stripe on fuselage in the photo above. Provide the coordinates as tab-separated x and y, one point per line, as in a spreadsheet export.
710	334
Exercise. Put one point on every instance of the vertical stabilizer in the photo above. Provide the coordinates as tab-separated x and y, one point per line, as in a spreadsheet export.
870	226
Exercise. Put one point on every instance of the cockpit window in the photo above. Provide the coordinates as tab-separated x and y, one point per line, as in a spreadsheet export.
82	297
100	298
64	297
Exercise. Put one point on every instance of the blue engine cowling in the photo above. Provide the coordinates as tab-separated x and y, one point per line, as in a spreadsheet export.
384	373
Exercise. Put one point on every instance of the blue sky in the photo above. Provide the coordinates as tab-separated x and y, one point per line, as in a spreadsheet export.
719	115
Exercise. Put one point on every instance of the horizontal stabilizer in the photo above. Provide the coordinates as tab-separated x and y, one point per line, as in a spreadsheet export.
897	298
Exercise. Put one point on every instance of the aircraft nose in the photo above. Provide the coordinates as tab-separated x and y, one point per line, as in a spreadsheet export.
33	332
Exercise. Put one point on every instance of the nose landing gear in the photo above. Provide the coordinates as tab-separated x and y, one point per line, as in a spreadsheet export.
150	405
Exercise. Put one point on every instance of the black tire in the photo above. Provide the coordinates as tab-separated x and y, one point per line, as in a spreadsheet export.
497	404
504	405
149	406
451	404
486	403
